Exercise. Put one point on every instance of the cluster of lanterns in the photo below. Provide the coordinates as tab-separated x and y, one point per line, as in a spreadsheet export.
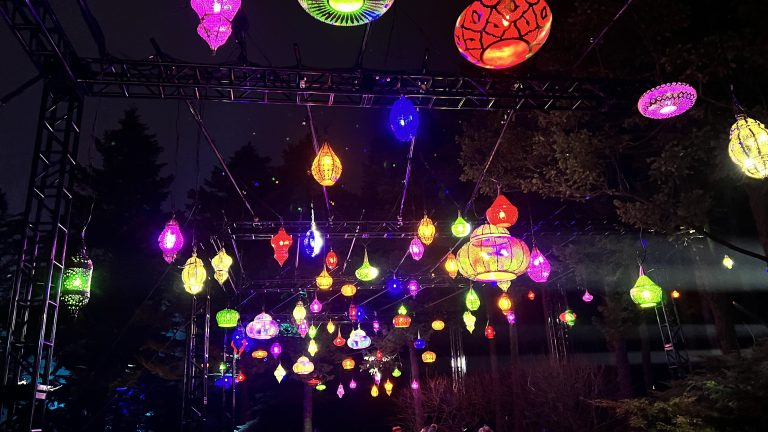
215	20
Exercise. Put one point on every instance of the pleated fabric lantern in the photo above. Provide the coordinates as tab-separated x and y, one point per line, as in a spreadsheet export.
281	243
221	264
502	213
426	230
492	255
539	269
326	168
404	120
346	12
748	147
76	282
227	318
645	293
193	275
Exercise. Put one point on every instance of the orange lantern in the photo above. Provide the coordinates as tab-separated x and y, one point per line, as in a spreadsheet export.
259	354
426	231
451	265
348	290
531	295
401	320
331	260
388	386
281	243
348	363
326	168
428	357
501	213
504	303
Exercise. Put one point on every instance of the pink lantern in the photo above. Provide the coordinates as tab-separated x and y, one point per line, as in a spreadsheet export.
540	268
225	8
352	384
315	306
416	249
262	327
587	297
413	287
415	385
303	328
667	100
511	318
276	349
170	240
215	30
376	326
352	312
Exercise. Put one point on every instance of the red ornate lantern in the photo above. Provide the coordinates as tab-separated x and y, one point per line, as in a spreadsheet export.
490	333
339	341
501	213
498	34
331	260
352	312
531	295
379	355
401	320
281	242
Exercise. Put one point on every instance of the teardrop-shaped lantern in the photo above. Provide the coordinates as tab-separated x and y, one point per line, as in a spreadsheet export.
404	119
326	168
472	300
460	227
416	249
339	341
501	213
315	307
366	272
281	243
539	268
426	231
221	264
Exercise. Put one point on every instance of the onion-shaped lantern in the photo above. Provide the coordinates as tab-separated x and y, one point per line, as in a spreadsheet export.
279	373
460	227
438	325
499	34
401	320
276	349
76	282
326	168
748	146
419	343
502	213
299	311
324	280
472	300
416	249
193	275
315	307
504	303
490	332
366	272
469	321
451	265
404	120
413	287
259	354
646	293
331	260
539	268
492	255
568	317
587	297
221	264
348	290
303	366
215	30
346	12
426	230
428	357
339	341
262	327
227	318
667	100
358	339
281	243
348	363
170	240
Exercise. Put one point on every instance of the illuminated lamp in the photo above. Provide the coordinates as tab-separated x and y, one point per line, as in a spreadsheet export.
472	300
215	30
587	297
414	385
451	265
499	34
326	168
321	387
568	317
460	227
331	260
531	295
539	268
76	282
348	363
358	339
376	326
276	349
299	312
438	325
259	354
419	343
346	12
279	373
413	287
314	381
504	285
667	100
394	286
511	318
170	240
375	391
360	313
404	119
396	373
646	293
312	332
227	318
193	275
426	231
675	294
428	357
221	264
348	290
469	321
416	249
490	333
324	280
492	255
226	8
331	327
352	312
366	272
303	366
379	356
240	377
728	262
352	384
501	213
313	239
339	341
748	147
303	328
315	307
388	386
340	391
281	243
504	303
401	320
312	347
262	327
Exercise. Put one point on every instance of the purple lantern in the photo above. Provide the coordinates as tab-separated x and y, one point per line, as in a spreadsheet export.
539	268
276	349
667	100
215	30
303	328
225	8
587	297
413	287
352	384
170	240
315	306
262	327
511	318
376	326
414	385
340	391
416	249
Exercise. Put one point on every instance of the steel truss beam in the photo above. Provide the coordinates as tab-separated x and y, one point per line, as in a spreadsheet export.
673	339
195	402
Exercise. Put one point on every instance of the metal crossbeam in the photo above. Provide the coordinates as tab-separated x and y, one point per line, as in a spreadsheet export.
196	366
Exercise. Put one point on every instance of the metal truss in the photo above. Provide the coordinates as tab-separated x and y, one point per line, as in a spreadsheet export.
673	339
196	366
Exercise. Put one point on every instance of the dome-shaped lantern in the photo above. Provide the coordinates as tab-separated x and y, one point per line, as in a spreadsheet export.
358	339
227	318
331	260
401	320
460	227
348	290
324	280
539	268
667	100
76	282
326	168
221	264
366	272
346	12
502	213
646	293
262	327
426	230
170	240
193	275
428	357
492	255
404	119
281	243
748	146
303	366
416	249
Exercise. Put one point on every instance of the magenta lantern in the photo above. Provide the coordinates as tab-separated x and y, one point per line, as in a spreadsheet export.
415	385
276	349
413	287
303	328
215	30
416	249
315	306
376	326
352	384
587	297
225	8
511	318
262	327
539	269
667	100
170	240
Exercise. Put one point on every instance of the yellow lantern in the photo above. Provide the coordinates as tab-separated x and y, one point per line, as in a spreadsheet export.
748	146
331	327
299	312
504	285
428	357
326	168
388	386
504	303
375	391
259	354
348	363
324	280
348	290
426	231
438	325
312	348
303	366
469	321
193	274
451	265
221	264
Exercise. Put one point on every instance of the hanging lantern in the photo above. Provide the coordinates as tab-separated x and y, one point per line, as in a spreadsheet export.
352	313
240	377
331	260
276	349
215	30
568	317
226	8
426	231
76	282
227	318
472	300
539	268
675	294
239	340
469	321
221	264
490	333
419	343
312	332
646	293
352	384
748	146
394	286
460	228
193	275
379	356
320	387
587	297
314	381
358	339
324	280
339	341
404	119
501	213
428	357
499	34
438	325
492	255
326	167
531	295
331	327
451	265
504	303
170	240
312	347
281	243
728	262
299	312
667	100
262	327
375	390
279	373
416	249
303	328
348	363
414	385
340	391
504	285
313	239
346	12
348	290
366	272
315	307
388	386
259	354
401	320
396	373
303	366
413	287
511	318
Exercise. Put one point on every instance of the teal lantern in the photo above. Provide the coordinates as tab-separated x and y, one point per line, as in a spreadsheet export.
76	282
227	318
646	293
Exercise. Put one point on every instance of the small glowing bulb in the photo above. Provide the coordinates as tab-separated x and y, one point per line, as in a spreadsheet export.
728	262
675	294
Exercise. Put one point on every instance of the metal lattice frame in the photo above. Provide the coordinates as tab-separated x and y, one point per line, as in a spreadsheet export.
196	365
673	339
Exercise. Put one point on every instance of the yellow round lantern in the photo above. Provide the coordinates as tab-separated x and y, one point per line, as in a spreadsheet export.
221	264
299	311
193	275
326	168
348	290
259	354
428	357
324	280
451	265
504	303
348	363
303	366
748	146
426	231
438	325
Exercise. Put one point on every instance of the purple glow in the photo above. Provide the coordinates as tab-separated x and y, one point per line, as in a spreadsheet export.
262	327
226	8
376	326
170	240
315	306
539	268
340	391
415	385
511	318
416	249
667	100
587	297
352	384
303	328
413	287
276	349
215	30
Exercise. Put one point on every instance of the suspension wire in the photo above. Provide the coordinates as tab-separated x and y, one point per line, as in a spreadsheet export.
488	163
602	33
352	245
316	146
407	178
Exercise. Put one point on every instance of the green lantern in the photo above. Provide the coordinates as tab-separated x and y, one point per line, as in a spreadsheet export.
366	272
396	373
227	318
645	292
76	282
460	227
346	12
472	300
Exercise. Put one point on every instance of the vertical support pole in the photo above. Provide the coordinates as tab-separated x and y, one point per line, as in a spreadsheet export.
673	339
307	427
418	407
196	367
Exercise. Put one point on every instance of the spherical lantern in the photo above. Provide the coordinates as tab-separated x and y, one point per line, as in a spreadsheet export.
504	303
193	275
416	249
419	343
366	272
348	290
401	320
469	321
262	327
348	363
667	100
539	268
646	293
276	349
299	312
568	317
281	243
394	286
358	339
504	285
315	307
451	265
226	8
303	366
438	325
587	297
404	119
375	390
388	386
259	354
227	318
221	264
339	341
279	373
330	327
531	295
426	231
346	12
331	260
490	332
748	147
76	282
324	280
170	240
472	300
498	34
303	328
460	227
326	168
428	357
502	213
215	30
492	255
313	240
413	287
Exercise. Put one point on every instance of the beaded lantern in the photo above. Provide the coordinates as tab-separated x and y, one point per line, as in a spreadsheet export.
331	260
326	168
215	30
404	120
451	265
472	300
193	275
460	227
221	264
366	272
76	282
170	240
492	255
438	325
303	366
358	339
281	243
667	100
498	34
748	146
469	321
348	290
416	249
646	293
502	213
346	12
262	327
426	230
324	280
401	320
428	357
504	303
227	318
539	268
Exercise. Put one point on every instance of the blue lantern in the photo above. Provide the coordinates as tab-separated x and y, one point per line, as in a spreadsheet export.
313	241
394	286
239	340
419	343
360	313
404	120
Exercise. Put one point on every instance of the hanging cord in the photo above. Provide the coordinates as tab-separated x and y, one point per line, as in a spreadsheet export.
351	246
316	146
488	163
87	222
176	155
642	255
602	33
407	178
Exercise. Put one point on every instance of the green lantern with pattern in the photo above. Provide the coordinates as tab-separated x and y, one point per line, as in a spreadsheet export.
76	282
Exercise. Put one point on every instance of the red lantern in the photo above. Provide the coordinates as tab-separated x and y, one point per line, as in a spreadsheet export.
240	377
401	321
498	34
352	312
314	381
281	242
339	341
379	355
331	260
501	213
531	295
490	333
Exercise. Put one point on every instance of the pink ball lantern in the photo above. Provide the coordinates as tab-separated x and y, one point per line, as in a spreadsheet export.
539	269
416	249
413	287
215	30
170	240
667	100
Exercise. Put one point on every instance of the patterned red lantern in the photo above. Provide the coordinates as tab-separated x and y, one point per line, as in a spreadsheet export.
501	213
490	333
498	34
331	260
226	8
281	243
401	320
352	312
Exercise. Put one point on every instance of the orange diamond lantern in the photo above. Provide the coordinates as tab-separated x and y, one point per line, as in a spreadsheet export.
281	242
501	213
